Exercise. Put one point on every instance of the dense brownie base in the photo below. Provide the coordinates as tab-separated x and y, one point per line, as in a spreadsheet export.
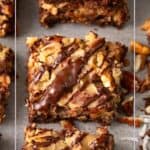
70	138
100	12
6	17
74	78
6	72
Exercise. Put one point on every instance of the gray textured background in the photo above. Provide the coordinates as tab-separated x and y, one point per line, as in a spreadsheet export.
28	25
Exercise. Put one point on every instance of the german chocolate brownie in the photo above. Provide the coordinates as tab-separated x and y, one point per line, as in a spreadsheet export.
70	138
6	73
74	78
99	12
6	17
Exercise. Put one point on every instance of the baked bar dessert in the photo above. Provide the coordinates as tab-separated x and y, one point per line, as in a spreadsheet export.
6	17
74	78
6	72
70	138
100	12
146	27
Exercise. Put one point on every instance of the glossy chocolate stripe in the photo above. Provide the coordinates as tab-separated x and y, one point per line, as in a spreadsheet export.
64	80
84	99
65	52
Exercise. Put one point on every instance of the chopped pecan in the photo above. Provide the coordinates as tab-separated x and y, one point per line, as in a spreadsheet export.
140	48
147	105
146	27
127	106
140	62
145	85
128	82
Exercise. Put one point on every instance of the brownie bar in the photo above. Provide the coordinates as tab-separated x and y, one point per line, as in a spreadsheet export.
74	78
6	72
6	17
99	12
70	138
146	27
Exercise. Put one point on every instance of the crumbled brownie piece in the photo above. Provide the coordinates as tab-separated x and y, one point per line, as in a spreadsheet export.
6	72
74	78
100	12
70	138
6	17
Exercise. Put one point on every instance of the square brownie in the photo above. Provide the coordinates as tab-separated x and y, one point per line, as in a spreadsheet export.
6	73
6	17
74	78
99	12
70	138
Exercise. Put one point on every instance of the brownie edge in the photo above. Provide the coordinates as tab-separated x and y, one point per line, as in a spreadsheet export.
99	12
70	138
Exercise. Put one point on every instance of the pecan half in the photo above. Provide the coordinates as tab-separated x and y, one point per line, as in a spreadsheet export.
127	106
140	48
128	82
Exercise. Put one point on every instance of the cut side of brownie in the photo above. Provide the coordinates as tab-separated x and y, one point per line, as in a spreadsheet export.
6	73
70	138
6	17
99	12
74	78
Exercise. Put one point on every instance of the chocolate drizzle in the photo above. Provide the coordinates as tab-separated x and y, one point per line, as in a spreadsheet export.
66	52
66	78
